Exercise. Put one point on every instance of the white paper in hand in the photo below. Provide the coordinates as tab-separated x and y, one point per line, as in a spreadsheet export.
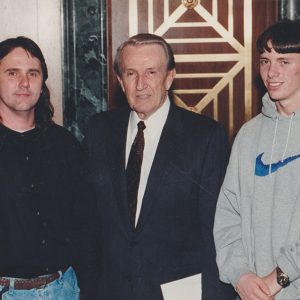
188	288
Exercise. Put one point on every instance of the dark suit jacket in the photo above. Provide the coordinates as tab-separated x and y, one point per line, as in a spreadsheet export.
174	237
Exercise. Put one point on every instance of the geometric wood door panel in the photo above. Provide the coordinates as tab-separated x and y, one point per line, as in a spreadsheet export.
213	44
210	54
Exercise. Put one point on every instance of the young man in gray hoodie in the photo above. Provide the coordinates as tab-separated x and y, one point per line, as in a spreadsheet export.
257	222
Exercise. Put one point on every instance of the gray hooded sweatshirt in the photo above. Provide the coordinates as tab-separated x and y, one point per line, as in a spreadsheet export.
257	221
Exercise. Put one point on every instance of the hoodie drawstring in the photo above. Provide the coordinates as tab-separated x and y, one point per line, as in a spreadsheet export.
288	136
274	140
273	145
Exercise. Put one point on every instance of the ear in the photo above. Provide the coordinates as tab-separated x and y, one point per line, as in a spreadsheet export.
121	83
169	79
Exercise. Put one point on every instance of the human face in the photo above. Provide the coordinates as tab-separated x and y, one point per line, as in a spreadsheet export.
281	76
145	79
21	82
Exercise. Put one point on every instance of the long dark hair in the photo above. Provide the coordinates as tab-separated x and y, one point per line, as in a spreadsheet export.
43	110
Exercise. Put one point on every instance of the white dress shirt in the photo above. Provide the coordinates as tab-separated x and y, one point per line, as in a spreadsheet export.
154	126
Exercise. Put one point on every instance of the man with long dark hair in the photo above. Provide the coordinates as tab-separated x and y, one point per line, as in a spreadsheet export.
39	167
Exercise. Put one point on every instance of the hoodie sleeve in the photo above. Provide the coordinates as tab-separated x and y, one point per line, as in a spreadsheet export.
289	260
231	256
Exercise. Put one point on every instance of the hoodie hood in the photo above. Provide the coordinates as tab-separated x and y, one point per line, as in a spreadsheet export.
269	109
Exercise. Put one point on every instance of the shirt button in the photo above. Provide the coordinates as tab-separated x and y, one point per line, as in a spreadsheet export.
37	213
43	242
32	185
27	158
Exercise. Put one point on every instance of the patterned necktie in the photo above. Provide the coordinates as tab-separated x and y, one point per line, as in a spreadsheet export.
133	171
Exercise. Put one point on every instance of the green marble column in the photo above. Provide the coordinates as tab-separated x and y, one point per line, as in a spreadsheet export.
84	67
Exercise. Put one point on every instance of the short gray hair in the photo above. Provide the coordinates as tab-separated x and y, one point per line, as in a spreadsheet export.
144	39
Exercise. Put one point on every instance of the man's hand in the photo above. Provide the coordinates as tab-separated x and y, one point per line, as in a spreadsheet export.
252	287
271	281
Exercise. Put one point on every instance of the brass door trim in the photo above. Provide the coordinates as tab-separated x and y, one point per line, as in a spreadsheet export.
242	57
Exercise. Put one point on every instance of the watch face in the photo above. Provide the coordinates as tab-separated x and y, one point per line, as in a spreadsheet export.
282	278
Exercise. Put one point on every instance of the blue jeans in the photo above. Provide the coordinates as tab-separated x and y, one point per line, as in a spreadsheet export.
63	288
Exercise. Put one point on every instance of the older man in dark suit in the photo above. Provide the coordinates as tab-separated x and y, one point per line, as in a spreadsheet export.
156	170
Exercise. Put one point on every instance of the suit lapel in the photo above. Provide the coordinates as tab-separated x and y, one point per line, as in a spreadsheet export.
168	154
116	160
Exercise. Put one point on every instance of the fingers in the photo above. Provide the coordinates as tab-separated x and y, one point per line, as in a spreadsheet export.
263	287
252	287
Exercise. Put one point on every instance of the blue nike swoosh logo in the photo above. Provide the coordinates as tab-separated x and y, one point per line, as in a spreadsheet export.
263	170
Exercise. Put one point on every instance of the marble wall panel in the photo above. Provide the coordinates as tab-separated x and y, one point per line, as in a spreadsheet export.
85	63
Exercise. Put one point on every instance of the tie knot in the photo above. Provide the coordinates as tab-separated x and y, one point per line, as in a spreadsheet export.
141	126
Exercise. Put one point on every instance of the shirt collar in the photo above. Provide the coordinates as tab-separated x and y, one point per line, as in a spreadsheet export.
154	123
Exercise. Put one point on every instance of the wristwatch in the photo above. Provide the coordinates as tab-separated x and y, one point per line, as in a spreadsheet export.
282	278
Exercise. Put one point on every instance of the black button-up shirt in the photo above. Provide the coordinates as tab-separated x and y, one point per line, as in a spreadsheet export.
40	201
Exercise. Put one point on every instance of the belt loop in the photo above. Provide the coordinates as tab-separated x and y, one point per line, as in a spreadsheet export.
11	285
